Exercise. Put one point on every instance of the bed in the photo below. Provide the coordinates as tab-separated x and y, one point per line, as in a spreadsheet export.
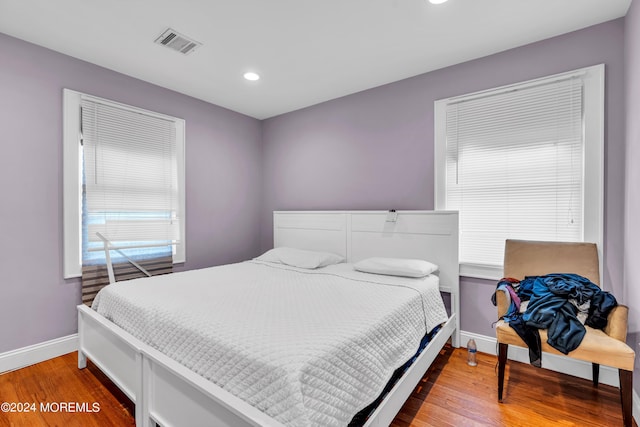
174	385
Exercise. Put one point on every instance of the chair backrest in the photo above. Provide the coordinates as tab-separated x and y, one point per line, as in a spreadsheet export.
530	258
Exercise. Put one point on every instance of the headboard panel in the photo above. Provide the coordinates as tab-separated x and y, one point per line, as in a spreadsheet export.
319	231
429	235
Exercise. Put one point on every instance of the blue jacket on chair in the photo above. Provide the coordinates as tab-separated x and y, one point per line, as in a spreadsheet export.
552	305
550	308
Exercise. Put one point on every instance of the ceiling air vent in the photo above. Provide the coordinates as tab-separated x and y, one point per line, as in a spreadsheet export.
176	41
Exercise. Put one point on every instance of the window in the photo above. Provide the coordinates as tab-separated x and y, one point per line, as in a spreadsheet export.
523	161
123	178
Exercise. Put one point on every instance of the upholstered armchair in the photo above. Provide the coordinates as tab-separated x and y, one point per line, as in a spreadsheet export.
599	347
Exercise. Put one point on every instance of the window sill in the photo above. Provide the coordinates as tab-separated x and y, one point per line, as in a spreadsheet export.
481	271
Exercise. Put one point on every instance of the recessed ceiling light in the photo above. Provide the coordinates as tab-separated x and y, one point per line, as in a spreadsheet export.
251	76
437	1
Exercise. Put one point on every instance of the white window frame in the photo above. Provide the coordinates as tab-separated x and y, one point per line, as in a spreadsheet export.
72	179
593	175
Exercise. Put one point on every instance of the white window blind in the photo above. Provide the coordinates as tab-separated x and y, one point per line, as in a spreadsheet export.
131	175
514	168
522	162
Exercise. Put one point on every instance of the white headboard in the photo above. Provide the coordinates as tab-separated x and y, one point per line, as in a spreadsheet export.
428	235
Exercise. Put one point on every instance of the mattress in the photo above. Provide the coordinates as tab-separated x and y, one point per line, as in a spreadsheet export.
307	347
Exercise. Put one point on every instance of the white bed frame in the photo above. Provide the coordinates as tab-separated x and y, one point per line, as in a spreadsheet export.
167	393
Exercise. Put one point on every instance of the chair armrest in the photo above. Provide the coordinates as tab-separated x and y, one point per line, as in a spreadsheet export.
617	323
502	303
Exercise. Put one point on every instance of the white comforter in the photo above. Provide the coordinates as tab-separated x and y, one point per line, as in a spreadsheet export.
306	347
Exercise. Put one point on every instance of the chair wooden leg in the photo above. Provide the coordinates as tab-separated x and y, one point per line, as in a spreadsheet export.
595	369
502	362
626	387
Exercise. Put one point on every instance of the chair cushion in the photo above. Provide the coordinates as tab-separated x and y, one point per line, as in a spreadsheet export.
596	346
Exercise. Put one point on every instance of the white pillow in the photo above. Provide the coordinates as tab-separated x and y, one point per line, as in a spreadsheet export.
300	258
396	267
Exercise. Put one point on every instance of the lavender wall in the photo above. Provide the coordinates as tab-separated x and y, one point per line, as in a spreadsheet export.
223	158
370	150
632	193
374	149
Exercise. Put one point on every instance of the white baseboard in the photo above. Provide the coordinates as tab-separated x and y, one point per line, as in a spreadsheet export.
563	364
16	359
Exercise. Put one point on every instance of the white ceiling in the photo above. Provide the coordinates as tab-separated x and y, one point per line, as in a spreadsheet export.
307	51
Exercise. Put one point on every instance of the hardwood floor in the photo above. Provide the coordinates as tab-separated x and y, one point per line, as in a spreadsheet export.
59	380
453	393
450	394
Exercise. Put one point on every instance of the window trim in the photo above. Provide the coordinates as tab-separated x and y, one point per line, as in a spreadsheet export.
594	97
72	179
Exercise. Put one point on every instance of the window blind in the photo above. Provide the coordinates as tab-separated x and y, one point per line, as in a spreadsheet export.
130	175
514	167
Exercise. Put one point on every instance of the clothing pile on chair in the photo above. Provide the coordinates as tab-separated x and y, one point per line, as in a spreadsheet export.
560	303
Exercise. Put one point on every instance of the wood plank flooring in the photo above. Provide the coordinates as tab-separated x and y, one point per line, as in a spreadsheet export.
450	394
59	380
453	393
